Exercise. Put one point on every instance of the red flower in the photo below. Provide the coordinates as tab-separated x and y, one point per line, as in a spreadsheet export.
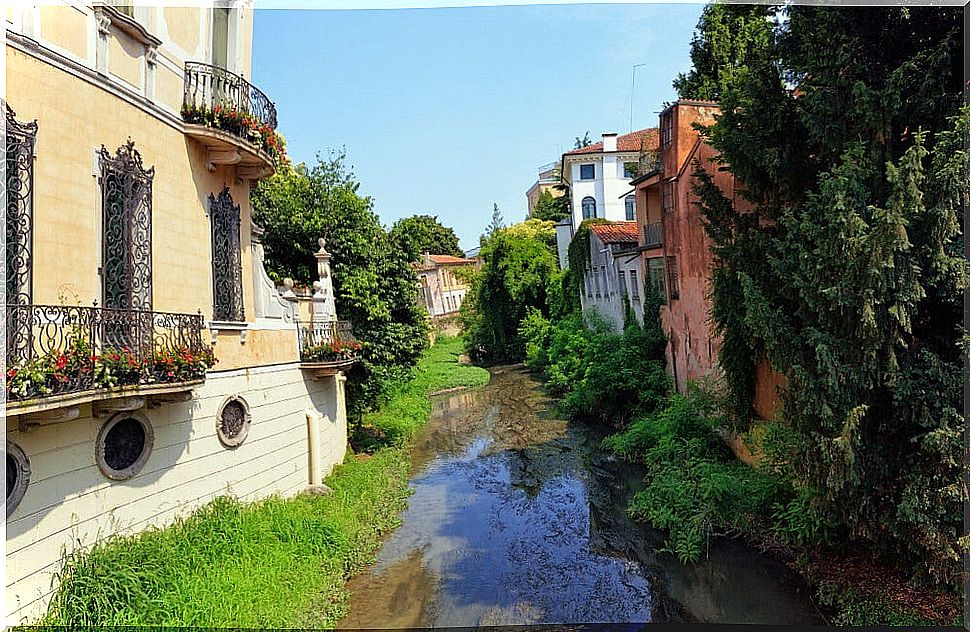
12	373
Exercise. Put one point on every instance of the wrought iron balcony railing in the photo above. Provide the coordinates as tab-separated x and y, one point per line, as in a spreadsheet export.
58	349
207	87
327	341
652	235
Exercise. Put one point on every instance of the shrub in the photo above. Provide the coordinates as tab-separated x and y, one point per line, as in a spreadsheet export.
694	485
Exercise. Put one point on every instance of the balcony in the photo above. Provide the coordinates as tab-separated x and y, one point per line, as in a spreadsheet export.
233	119
327	347
652	235
59	357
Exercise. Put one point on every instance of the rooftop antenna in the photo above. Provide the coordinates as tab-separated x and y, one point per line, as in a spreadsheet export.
633	92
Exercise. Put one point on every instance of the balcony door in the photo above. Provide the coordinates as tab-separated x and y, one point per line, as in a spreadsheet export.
126	248
19	234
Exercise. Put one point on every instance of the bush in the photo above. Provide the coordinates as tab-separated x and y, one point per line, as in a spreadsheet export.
603	375
694	484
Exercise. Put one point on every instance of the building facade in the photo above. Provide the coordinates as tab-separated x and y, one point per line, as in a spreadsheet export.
441	292
676	251
133	139
614	279
549	180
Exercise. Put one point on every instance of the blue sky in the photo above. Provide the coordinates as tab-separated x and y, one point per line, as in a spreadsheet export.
445	111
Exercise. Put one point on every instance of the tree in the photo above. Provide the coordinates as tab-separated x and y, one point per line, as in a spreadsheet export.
374	285
843	268
497	222
424	233
582	142
550	207
727	37
517	265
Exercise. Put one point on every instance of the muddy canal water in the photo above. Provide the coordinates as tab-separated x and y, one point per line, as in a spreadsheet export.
517	517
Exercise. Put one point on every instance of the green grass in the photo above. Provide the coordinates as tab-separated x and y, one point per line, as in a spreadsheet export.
409	406
274	563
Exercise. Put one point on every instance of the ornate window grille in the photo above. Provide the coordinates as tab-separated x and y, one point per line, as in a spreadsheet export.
19	226
227	292
126	246
126	197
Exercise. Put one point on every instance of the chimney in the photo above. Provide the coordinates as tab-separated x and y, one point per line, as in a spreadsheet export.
427	258
609	141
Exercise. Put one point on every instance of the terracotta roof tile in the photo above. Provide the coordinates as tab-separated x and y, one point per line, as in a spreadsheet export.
627	142
449	259
616	232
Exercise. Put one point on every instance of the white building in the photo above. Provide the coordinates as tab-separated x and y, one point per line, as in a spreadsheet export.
598	176
615	271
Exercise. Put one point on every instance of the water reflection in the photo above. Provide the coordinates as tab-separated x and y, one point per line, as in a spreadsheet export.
515	519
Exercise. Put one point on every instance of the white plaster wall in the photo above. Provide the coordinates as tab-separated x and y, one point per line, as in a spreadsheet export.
610	302
69	500
608	188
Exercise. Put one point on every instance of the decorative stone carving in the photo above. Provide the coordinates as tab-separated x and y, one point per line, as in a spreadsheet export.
104	23
151	55
122	404
269	303
324	305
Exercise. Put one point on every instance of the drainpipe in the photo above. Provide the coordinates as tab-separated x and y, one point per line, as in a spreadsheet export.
313	454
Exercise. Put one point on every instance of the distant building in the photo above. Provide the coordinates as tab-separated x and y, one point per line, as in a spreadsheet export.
440	290
598	179
549	180
676	249
614	272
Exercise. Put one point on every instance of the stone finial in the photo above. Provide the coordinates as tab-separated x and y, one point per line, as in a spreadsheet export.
288	285
323	246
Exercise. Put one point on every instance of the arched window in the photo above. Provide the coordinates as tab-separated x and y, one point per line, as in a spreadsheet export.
631	207
589	207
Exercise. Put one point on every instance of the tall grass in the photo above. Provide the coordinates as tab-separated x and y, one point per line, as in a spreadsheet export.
274	563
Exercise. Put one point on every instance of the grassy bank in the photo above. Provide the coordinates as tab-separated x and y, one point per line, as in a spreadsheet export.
275	563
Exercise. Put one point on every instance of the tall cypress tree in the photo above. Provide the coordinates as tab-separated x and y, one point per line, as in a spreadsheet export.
844	268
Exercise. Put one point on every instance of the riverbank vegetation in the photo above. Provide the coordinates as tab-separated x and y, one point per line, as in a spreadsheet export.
374	285
279	562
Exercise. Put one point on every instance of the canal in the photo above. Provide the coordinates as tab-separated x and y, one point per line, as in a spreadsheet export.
517	517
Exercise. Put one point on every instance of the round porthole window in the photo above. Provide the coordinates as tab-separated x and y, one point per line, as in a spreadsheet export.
18	476
232	422
124	443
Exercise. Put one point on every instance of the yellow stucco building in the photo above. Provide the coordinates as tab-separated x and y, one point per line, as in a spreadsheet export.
133	138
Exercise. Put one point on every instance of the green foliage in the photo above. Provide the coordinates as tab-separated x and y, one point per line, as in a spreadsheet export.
694	484
856	610
582	142
577	255
602	375
424	233
271	564
277	563
374	284
727	36
497	223
842	267
550	207
518	264
409	406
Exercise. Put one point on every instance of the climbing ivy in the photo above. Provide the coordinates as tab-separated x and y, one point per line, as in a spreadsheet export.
578	257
